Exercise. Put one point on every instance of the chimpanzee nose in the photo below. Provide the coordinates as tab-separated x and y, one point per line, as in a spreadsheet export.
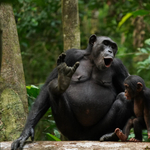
110	51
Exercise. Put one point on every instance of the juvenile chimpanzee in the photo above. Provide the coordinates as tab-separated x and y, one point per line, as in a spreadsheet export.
82	92
136	90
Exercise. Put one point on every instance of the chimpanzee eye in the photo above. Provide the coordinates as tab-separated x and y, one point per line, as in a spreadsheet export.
106	42
113	46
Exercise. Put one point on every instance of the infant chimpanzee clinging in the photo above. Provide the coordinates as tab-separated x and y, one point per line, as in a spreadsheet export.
136	90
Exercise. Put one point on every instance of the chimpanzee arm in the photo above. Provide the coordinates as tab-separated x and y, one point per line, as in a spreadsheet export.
60	84
147	110
39	108
120	73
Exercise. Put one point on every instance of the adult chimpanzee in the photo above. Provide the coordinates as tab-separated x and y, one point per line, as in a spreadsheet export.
136	90
82	94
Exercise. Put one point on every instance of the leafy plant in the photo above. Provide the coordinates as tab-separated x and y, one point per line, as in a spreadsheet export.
132	135
51	137
144	133
32	93
145	64
140	12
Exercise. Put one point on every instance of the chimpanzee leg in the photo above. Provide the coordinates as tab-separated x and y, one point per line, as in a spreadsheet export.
128	127
137	124
117	116
123	137
69	126
64	117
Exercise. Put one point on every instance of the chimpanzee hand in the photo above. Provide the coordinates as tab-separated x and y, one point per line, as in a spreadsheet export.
63	68
19	143
64	73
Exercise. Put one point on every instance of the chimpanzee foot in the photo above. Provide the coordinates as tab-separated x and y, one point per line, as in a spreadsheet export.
120	135
109	137
64	73
134	140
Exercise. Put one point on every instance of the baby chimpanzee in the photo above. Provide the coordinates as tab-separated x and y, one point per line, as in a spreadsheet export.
136	90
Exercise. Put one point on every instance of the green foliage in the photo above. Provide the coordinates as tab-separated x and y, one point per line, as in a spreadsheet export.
32	93
124	18
144	134
52	137
39	24
134	14
143	66
48	124
132	135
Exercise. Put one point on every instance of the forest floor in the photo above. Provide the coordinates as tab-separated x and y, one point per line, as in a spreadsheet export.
80	145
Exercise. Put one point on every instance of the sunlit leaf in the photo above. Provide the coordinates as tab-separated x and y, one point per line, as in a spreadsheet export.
123	20
33	90
147	41
52	137
135	14
143	50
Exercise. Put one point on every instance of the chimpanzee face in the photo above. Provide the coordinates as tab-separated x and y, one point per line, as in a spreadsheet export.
129	93
103	52
133	86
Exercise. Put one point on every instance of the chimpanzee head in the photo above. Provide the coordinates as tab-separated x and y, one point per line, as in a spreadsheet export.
133	86
103	51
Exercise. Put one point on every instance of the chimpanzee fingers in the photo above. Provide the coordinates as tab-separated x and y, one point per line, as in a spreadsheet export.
61	58
71	70
76	65
15	145
22	144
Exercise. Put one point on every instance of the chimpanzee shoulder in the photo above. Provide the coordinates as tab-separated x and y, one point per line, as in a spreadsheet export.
119	74
74	55
118	67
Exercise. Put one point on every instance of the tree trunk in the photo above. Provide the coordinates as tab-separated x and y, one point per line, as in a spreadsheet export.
13	100
70	21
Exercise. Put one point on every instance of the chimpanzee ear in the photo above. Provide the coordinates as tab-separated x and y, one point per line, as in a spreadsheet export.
92	39
139	86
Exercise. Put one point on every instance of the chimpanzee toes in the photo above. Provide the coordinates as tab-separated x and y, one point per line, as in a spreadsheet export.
61	58
116	130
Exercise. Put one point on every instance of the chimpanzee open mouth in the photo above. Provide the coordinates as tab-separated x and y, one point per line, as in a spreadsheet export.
108	61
